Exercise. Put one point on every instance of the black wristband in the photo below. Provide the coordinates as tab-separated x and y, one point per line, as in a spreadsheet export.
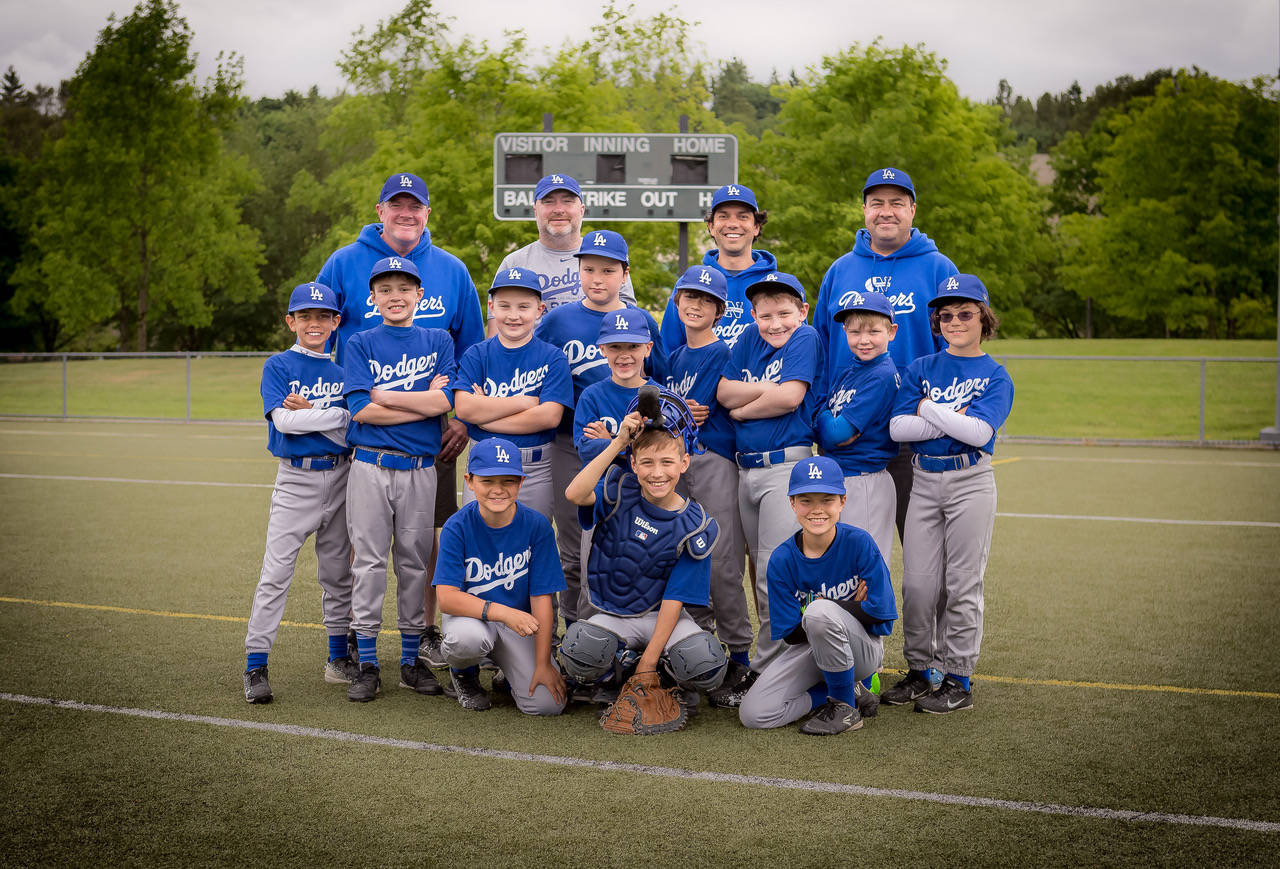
484	613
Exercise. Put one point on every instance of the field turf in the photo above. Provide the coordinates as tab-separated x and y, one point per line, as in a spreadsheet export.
1127	699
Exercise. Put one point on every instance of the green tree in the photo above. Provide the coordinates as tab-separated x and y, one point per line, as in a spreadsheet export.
736	99
870	107
1183	232
137	219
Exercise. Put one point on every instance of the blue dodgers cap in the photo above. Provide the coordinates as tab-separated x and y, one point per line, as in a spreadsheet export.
516	277
960	287
397	265
627	326
776	281
405	182
313	295
892	177
552	183
818	474
604	242
734	193
704	279
870	302
495	457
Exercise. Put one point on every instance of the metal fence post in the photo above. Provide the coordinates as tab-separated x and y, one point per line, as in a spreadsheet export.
64	386
189	397
1203	365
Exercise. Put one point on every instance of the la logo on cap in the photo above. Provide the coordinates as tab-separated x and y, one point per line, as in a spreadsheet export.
733	191
887	174
858	299
503	456
316	295
393	263
952	283
772	276
705	277
406	181
815	472
620	322
598	241
513	274
556	179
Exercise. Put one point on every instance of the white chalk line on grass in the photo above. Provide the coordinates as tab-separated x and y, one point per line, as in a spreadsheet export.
1122	461
1225	523
666	771
129	480
130	434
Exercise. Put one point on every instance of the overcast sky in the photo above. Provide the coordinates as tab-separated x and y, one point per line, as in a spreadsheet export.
1037	46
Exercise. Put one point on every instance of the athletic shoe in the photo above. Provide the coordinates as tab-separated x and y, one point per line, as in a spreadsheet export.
868	703
950	697
914	684
256	688
366	685
419	677
341	671
737	682
832	717
465	688
605	693
429	647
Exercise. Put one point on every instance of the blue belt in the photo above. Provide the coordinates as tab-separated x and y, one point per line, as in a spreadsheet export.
394	461
946	463
318	463
772	457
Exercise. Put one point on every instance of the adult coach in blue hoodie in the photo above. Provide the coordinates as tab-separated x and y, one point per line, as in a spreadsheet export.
890	256
734	223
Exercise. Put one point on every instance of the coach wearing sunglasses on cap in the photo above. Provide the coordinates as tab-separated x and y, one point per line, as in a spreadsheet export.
889	256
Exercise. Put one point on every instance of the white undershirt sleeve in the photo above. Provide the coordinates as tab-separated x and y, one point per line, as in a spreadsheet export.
908	427
974	432
331	422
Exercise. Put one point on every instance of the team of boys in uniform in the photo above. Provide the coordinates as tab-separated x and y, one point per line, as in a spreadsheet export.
655	510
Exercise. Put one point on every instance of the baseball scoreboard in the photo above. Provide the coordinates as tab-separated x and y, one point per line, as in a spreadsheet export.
624	176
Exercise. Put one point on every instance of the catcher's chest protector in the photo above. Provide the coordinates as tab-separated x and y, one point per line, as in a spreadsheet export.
632	552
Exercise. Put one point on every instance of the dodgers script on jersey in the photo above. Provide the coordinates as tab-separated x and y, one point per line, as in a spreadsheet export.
505	565
401	358
834	575
536	369
754	360
864	396
317	380
695	374
978	383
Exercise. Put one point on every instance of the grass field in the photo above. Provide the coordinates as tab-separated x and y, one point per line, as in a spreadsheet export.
1128	693
1055	398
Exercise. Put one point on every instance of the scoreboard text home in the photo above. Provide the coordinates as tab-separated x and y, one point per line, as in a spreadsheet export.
624	176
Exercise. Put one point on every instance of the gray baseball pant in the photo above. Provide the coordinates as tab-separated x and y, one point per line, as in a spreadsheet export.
944	557
468	640
303	503
870	501
637	631
392	509
713	482
837	642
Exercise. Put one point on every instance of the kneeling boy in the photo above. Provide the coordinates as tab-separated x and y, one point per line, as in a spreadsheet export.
497	571
649	556
831	601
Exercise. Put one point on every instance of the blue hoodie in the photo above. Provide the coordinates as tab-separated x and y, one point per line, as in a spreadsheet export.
449	299
737	316
909	277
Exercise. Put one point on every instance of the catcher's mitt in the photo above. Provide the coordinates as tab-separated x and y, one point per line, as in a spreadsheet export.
644	708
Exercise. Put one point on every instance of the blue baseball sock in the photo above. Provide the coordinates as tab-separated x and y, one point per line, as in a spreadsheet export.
840	685
866	683
817	695
254	660
337	646
409	648
741	657
368	646
963	680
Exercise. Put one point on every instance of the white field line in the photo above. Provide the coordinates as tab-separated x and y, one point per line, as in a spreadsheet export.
1275	466
666	771
128	434
1228	523
128	480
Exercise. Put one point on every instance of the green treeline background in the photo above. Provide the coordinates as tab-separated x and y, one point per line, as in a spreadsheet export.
142	209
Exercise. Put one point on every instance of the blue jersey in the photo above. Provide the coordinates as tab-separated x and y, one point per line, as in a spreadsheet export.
863	395
909	277
621	513
606	402
536	369
978	383
449	299
834	575
505	565
754	360
317	380
574	329
737	317
402	358
695	375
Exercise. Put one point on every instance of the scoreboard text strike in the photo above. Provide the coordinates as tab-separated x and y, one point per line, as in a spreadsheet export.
624	176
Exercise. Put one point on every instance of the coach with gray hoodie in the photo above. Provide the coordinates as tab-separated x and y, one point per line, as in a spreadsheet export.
889	256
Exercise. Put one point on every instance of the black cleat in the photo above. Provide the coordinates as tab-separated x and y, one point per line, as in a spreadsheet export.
256	687
950	697
737	682
465	688
868	703
366	685
914	684
418	677
831	718
429	647
341	671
